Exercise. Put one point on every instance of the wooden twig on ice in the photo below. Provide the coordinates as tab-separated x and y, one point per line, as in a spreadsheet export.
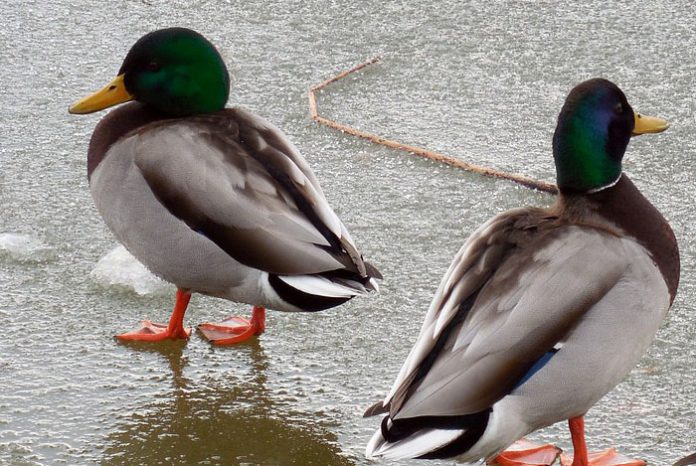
455	162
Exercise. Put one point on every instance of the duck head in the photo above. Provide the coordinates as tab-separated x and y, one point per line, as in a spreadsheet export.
176	71
593	130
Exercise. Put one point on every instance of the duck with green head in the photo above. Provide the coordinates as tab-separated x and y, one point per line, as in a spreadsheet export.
214	200
542	311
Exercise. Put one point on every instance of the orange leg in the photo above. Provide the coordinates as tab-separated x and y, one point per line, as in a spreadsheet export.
525	453
153	331
234	330
581	457
577	433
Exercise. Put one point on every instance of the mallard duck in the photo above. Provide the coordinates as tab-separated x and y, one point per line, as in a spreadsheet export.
542	311
214	200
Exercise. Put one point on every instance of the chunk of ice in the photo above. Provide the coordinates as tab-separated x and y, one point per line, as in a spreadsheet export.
119	268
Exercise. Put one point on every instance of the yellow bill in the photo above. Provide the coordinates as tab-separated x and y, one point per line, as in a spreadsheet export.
113	94
647	124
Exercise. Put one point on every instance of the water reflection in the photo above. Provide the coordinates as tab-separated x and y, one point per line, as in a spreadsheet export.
211	421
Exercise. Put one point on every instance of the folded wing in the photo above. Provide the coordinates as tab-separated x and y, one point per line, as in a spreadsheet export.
512	293
235	179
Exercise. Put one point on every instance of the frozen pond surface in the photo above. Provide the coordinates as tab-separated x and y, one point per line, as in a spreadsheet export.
481	80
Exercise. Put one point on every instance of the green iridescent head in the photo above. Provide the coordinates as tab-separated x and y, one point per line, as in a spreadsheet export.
176	70
592	133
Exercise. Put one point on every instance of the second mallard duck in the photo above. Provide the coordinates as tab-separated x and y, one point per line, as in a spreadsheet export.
543	311
214	200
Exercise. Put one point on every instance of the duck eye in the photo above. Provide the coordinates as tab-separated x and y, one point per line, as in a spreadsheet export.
153	66
618	109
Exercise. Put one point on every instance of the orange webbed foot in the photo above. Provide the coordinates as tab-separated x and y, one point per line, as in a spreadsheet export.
525	453
175	330
233	330
153	331
609	457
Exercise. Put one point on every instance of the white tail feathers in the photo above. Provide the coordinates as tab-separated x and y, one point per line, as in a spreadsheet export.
321	286
418	444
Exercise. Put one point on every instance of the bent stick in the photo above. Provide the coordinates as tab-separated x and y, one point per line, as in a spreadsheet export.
428	154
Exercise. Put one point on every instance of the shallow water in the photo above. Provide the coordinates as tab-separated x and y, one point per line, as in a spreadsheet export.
483	81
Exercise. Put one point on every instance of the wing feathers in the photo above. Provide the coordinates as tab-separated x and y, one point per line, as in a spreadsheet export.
234	178
516	288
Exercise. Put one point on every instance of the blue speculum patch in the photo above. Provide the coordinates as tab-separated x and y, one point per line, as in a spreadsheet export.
541	362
